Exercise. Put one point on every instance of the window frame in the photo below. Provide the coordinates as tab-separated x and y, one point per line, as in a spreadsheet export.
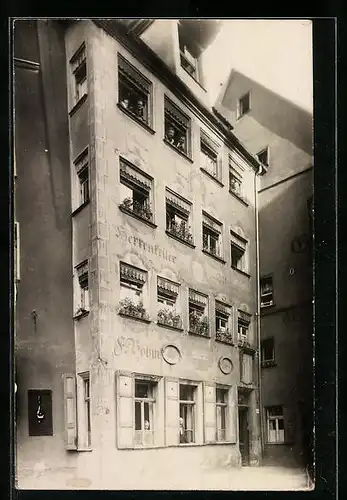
213	153
202	315
135	279
271	301
178	120
276	418
226	337
267	361
240	112
140	184
267	150
151	401
134	80
81	169
240	244
168	315
80	53
192	404
187	55
208	229
82	293
180	207
225	406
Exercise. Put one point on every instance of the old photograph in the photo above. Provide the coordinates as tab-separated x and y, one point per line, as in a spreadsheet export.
163	257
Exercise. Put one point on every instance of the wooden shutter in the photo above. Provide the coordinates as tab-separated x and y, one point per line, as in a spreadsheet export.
232	415
210	413
125	410
70	412
247	368
289	424
172	411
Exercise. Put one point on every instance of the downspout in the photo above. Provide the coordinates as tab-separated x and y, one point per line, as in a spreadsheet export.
260	399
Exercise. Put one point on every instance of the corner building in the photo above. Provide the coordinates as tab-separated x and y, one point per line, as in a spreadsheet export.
163	264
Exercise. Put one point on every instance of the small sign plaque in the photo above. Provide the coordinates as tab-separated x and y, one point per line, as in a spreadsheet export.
171	354
40	412
225	365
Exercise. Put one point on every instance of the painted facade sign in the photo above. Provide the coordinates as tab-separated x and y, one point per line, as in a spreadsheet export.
128	345
134	241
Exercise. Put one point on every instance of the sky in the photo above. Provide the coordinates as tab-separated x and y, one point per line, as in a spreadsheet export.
276	53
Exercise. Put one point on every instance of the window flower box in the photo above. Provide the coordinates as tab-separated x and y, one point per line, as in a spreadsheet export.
129	308
137	208
224	336
169	318
198	324
181	231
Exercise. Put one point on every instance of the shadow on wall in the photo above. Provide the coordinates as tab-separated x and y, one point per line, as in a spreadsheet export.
277	114
286	236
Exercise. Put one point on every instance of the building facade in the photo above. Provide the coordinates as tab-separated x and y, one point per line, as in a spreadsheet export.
279	133
137	314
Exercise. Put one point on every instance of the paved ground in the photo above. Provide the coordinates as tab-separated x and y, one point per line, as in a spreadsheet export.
244	479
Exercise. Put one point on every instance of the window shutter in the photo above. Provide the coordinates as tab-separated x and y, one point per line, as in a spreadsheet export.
233	415
210	413
172	411
247	369
125	410
289	425
70	412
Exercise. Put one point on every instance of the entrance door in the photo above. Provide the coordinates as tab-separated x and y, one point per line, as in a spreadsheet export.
244	434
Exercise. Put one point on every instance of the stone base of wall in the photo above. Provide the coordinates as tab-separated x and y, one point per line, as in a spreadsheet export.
282	455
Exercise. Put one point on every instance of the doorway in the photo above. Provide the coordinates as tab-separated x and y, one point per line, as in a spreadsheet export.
244	434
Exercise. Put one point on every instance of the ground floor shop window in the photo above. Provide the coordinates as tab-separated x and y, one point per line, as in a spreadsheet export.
187	413
275	424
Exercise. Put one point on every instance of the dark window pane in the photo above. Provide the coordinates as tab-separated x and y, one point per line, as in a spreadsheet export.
141	390
137	415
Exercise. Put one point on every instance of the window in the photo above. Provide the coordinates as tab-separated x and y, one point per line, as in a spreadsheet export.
135	191
209	156
168	303
144	412
238	247
178	217
132	283
177	127
243	105
212	235
222	415
189	52
83	298
198	313
86	405
223	323
243	323
82	170
187	395
263	156
235	178
78	66
275	424
134	91
266	291
268	351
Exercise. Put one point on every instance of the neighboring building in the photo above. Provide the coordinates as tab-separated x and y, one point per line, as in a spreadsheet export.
280	134
136	341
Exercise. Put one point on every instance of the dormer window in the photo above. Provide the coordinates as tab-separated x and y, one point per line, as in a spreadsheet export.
243	105
189	53
263	157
